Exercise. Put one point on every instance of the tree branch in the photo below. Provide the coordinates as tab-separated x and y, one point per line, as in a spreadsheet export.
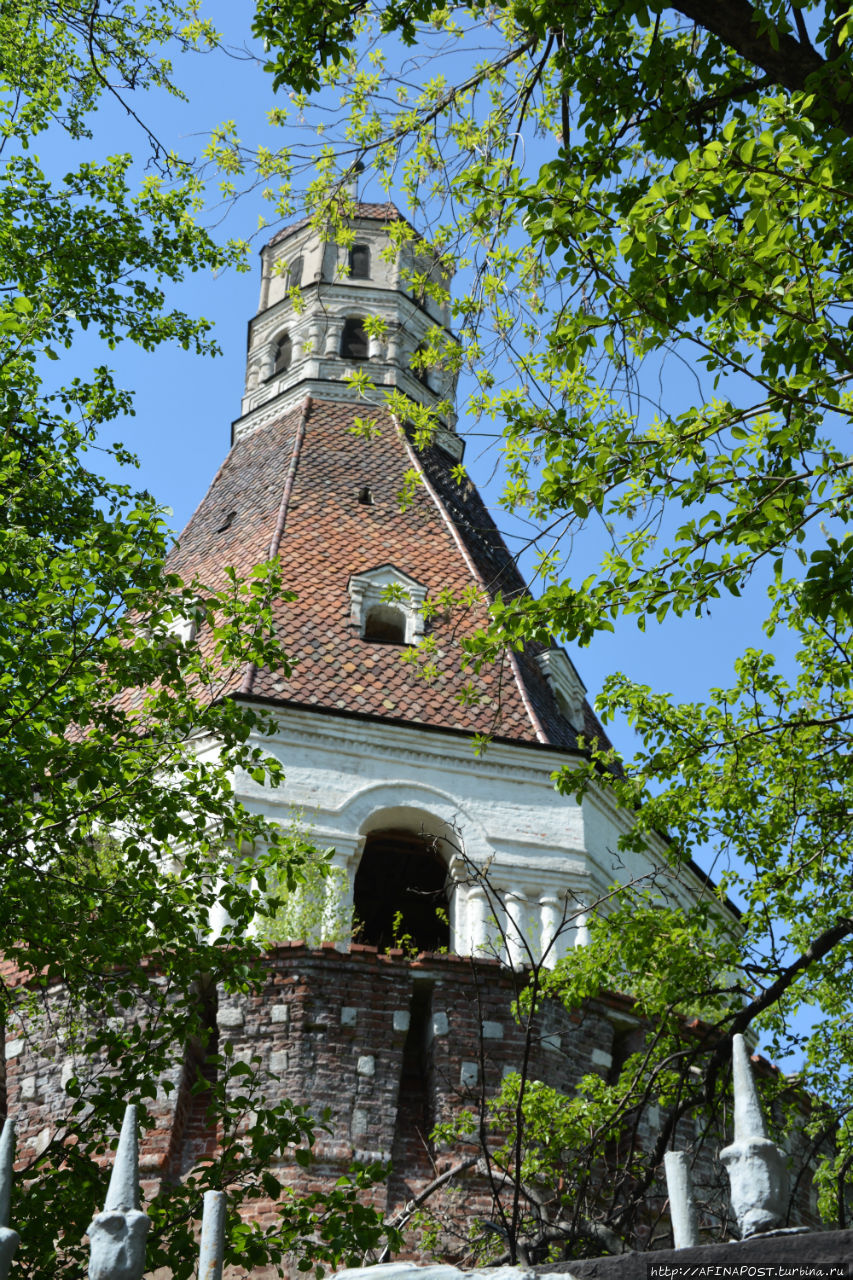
790	63
821	946
437	1183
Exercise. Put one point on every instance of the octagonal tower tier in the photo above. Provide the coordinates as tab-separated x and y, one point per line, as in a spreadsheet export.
312	329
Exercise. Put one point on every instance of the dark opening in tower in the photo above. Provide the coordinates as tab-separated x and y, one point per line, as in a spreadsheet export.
385	625
400	894
354	340
283	354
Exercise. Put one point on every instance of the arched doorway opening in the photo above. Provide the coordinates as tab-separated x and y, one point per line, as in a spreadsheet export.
400	892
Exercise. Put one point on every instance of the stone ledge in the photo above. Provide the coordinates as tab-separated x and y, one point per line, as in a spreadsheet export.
803	1250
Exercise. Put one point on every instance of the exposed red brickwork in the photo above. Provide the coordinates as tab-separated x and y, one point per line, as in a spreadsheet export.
324	535
389	1046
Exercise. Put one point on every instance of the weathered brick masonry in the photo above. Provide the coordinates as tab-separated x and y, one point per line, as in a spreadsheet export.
386	1045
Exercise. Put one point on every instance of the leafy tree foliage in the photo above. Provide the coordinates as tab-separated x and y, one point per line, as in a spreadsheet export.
633	191
119	831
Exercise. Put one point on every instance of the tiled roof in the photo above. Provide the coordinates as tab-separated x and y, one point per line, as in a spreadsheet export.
376	212
292	487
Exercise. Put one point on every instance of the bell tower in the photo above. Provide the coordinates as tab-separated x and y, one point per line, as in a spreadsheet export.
451	870
376	742
373	305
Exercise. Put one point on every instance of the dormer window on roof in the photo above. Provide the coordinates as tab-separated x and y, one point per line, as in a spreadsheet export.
567	686
385	624
354	340
359	262
387	605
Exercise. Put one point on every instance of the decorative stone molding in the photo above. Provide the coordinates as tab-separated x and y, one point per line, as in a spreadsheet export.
390	587
567	685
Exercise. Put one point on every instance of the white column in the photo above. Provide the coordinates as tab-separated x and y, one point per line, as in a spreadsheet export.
478	917
218	917
333	337
267	361
265	282
253	373
515	903
551	928
315	337
456	915
581	923
337	906
392	347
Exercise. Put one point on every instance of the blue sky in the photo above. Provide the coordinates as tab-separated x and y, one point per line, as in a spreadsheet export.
185	404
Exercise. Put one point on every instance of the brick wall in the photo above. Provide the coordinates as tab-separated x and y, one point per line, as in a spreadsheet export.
385	1045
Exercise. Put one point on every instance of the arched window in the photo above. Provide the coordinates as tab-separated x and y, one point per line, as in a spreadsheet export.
385	625
400	892
294	273
283	354
393	616
354	339
359	262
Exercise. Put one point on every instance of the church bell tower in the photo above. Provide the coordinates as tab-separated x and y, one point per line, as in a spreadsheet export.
452	870
378	760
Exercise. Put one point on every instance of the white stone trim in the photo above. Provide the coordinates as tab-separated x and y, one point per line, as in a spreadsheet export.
567	685
367	590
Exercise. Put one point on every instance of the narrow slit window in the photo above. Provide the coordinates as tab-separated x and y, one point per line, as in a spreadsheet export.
354	343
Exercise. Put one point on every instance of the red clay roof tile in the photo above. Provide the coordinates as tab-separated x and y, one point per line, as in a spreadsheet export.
293	487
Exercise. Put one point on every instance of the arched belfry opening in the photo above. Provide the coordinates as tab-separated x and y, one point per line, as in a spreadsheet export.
401	892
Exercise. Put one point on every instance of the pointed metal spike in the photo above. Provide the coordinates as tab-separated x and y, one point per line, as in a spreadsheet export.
212	1249
749	1122
7	1164
123	1192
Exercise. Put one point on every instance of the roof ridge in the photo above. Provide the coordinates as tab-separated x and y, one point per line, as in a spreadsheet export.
473	569
248	682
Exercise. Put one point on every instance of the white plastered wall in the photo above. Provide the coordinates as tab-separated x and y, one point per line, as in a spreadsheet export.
546	859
